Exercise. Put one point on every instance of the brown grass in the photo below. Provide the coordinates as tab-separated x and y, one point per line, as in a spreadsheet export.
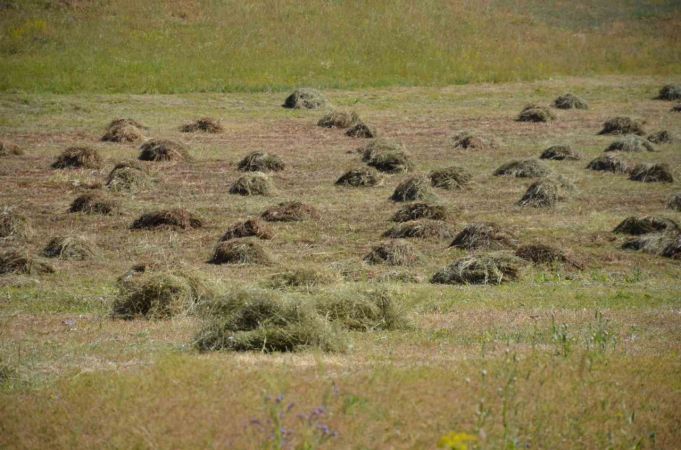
422	228
248	228
241	251
205	125
290	212
94	203
163	150
176	218
484	236
78	158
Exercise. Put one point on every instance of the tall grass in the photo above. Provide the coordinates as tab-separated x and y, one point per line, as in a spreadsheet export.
210	45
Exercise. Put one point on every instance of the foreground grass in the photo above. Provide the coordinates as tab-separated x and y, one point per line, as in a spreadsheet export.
208	46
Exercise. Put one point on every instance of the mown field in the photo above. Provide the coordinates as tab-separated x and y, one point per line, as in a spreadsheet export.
561	358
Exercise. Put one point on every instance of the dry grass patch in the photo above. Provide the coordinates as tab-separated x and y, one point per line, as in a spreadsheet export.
241	251
648	224
20	262
94	203
467	140
13	225
394	252
659	244
622	125
338	119
651	173
261	162
414	188
676	108
484	236
306	278
248	228
10	149
124	130
560	153
360	177
205	125
527	168
362	130
546	254
163	150
609	163
364	310
422	228
536	113
670	92
415	211
450	178
78	158
290	212
674	202
128	176
74	248
255	183
176	218
305	98
387	156
661	137
570	101
631	143
541	194
491	268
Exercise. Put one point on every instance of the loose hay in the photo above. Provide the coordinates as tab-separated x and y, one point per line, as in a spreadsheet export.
415	188
94	203
78	158
422	228
569	101
255	183
670	92
360	177
305	98
177	218
302	278
124	130
163	150
622	125
647	224
654	243
261	162
676	108
484	236
416	211
338	119
13	225
240	252
362	130
394	252
673	249
9	148
469	141
450	178
560	153
387	157
541	194
651	173
609	163
631	143
661	137
69	248
128	176
528	168
546	254
536	113
248	228
674	202
19	262
364	310
205	125
290	212
492	268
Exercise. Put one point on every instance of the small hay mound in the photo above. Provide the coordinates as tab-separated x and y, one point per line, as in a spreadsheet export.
541	194
362	130
622	125
14	225
205	125
72	248
261	162
78	158
661	137
670	92
159	295
415	211
254	183
240	252
422	228
468	141
290	212
527	168
653	243
415	188
676	108
364	311
570	101
394	252
609	163
8	148
163	150
492	268
644	225
378	146
674	202
305	98
248	228
176	218
258	321
546	254
631	143
483	236
19	262
673	249
450	178
386	159
127	176
124	130
94	203
652	173
536	113
302	278
338	119
360	177
560	153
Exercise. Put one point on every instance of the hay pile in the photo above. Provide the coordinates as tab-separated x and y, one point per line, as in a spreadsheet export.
362	130
492	268
651	173
631	143
19	262
254	183
546	254
673	248
94	203
541	194
305	98
609	163
450	178
421	228
205	124
124	130
527	168
290	212
14	225
536	113
78	158
569	101
241	251
305	278
676	108
560	153
670	92
659	244
261	162
338	119
622	125
484	236
646	224
364	310
674	202
414	188
248	228
163	150
661	137
394	252
467	140
360	177
415	211
176	218
8	148
128	176
387	157
73	248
